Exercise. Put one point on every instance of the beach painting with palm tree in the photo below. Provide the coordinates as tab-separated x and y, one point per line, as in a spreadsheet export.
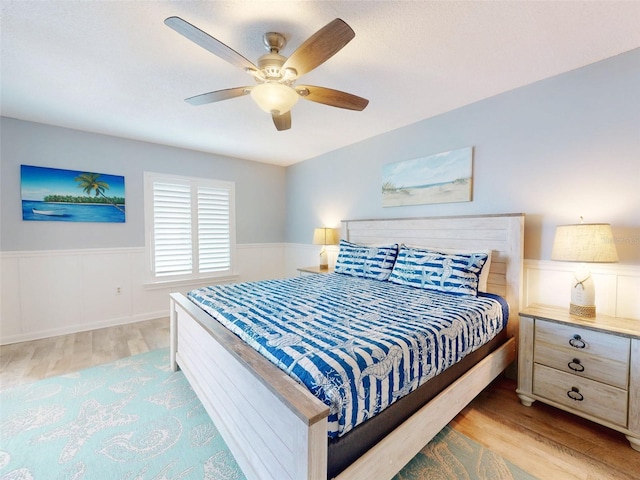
441	178
57	195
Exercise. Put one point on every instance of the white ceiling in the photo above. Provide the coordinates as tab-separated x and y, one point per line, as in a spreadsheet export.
113	67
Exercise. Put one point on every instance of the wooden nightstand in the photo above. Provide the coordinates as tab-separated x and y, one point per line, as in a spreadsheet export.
586	366
314	270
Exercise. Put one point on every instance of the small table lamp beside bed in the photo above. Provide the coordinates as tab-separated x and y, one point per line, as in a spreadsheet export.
348	375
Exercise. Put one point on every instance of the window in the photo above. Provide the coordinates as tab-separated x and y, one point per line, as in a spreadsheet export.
190	227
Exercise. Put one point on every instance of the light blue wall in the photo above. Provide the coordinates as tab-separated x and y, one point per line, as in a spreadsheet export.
554	150
557	149
260	188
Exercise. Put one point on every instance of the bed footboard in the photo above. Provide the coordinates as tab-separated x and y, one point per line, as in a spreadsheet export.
274	428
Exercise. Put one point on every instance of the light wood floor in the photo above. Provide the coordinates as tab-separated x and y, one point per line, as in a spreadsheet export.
30	361
542	440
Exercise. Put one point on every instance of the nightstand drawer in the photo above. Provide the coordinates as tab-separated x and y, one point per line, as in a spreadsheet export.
595	355
583	364
581	394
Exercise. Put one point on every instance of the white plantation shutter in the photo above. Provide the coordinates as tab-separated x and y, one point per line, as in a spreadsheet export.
172	243
190	227
213	230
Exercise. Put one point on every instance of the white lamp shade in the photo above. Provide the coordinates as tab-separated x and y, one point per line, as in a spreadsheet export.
325	236
274	97
585	242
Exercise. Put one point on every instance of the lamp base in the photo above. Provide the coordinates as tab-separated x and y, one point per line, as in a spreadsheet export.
324	259
588	311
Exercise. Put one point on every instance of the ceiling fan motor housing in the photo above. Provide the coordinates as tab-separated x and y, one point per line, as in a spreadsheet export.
271	65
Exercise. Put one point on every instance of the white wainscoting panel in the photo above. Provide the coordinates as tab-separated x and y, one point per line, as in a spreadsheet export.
260	261
617	286
629	295
146	299
50	293
10	312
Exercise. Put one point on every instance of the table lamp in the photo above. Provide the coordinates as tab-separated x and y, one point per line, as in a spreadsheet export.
584	243
324	236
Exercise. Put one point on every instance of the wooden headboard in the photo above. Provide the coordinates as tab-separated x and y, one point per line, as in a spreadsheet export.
502	234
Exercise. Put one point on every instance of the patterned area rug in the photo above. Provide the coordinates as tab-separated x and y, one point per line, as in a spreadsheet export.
134	419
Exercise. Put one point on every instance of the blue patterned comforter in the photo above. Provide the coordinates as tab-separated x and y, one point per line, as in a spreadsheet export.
357	344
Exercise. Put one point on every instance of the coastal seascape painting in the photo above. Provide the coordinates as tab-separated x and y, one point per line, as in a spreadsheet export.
441	178
56	195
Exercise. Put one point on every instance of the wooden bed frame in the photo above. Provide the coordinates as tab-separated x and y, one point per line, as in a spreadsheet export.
275	428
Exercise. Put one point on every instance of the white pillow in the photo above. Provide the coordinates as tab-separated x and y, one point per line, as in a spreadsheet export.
366	261
484	273
457	273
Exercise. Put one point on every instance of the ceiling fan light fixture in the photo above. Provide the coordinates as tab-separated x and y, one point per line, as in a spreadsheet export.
274	97
275	75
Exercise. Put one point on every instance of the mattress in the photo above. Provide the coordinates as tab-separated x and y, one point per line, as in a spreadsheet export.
358	344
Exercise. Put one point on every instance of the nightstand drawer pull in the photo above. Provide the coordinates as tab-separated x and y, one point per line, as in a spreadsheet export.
574	394
575	365
577	342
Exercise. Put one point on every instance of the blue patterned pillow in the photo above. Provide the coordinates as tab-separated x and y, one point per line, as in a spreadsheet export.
443	272
366	261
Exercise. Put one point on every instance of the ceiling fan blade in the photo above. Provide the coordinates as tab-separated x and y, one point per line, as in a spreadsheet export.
320	47
334	98
282	122
218	95
207	42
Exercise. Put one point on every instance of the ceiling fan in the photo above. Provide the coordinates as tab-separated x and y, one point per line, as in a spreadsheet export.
275	91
